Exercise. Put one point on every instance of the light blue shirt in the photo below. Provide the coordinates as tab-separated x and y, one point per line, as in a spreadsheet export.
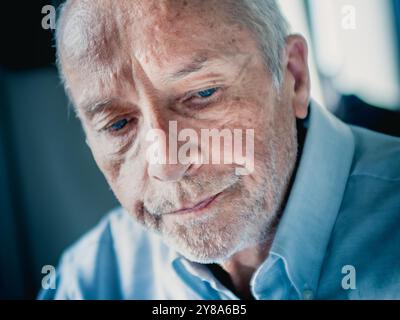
339	236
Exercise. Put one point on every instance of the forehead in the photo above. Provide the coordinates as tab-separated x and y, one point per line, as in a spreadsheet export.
100	32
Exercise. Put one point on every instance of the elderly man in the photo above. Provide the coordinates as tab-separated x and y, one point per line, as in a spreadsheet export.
314	212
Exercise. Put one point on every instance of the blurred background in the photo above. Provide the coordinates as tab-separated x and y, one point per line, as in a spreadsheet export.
51	191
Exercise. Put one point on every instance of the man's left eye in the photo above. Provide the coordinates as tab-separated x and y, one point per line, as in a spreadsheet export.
119	125
206	93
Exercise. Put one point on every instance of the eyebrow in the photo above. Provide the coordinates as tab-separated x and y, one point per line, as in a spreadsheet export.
96	106
195	65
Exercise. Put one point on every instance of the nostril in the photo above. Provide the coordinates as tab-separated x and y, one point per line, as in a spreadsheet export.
157	178
168	172
189	169
192	168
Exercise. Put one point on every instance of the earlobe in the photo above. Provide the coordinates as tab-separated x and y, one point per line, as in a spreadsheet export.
297	68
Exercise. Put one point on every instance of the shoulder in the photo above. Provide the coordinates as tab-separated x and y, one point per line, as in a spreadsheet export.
366	234
99	264
373	189
374	180
376	155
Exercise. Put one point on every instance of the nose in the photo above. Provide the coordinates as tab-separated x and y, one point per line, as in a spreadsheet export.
168	172
164	158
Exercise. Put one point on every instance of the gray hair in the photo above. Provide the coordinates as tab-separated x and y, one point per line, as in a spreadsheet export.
265	19
262	17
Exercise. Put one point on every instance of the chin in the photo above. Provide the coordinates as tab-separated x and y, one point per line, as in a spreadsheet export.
203	254
216	239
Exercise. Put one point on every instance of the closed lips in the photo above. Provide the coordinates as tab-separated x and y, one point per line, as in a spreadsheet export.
201	205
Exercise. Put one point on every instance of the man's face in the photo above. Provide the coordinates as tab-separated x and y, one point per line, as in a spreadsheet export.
134	66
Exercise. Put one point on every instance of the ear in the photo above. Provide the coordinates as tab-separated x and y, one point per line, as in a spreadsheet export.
297	72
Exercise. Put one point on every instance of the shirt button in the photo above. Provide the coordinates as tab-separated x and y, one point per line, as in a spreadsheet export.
308	295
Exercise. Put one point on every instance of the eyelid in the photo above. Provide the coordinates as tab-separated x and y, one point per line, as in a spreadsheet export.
108	127
115	115
193	93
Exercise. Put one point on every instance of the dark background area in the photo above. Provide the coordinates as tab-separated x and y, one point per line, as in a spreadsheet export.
51	192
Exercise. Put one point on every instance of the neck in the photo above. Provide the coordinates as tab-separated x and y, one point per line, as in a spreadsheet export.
242	265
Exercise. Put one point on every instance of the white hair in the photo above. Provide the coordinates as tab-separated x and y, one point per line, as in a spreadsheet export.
265	19
262	17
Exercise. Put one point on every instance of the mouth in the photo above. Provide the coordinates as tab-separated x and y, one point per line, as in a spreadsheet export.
198	207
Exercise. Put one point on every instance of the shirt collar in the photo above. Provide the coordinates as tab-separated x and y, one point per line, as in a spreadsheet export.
310	213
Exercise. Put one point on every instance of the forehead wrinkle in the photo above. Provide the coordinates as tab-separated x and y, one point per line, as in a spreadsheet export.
193	66
170	47
169	25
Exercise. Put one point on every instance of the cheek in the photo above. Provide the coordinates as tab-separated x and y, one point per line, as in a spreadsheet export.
250	112
125	174
110	167
129	182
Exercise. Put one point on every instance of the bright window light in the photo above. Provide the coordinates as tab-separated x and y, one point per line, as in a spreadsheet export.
355	46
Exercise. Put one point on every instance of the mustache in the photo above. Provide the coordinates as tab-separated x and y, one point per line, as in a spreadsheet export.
164	197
